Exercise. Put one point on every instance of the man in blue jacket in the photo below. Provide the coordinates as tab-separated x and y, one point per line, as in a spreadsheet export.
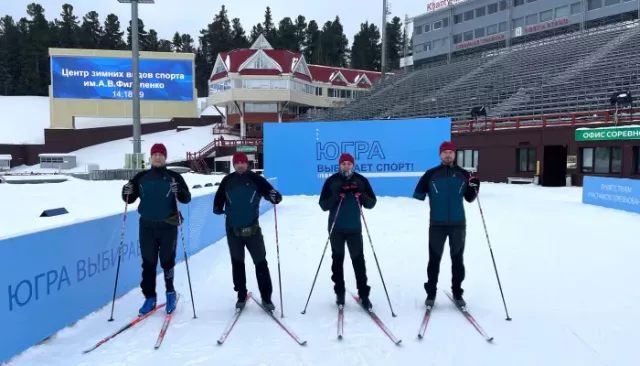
157	189
349	190
238	198
446	185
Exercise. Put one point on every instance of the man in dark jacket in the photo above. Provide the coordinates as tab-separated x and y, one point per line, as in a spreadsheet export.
446	185
238	197
157	189
347	190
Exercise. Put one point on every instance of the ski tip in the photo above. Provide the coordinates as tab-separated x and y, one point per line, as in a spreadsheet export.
420	336
219	343
339	337
490	340
398	342
304	343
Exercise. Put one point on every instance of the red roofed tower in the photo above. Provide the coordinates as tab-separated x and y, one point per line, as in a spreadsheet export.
260	84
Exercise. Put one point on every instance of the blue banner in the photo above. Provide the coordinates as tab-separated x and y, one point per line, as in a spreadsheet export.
392	154
617	193
111	78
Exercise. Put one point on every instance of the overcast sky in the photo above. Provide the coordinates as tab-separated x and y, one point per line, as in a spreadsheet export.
169	16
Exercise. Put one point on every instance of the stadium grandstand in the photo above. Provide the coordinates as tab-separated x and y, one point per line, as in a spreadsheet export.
572	67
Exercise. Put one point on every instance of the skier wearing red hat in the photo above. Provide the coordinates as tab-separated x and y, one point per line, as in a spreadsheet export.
238	198
446	185
157	188
347	190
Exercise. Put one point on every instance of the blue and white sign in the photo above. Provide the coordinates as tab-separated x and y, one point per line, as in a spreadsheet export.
111	78
393	154
621	194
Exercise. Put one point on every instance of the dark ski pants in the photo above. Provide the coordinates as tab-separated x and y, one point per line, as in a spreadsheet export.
437	237
356	247
256	248
157	241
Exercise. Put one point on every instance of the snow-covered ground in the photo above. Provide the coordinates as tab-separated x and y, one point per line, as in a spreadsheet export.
24	119
111	155
567	270
27	201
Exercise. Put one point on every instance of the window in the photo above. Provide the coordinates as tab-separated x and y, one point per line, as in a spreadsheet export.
479	33
502	5
437	25
457	38
260	61
427	28
419	30
636	159
601	160
492	8
492	29
52	160
427	46
445	22
467	159
457	18
502	27
518	2
594	4
480	12
519	22
576	8
468	36
562	11
611	2
526	159
531	19
546	16
468	15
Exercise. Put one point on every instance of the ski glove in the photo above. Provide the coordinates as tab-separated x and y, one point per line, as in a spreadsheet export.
127	189
218	210
474	182
274	197
175	187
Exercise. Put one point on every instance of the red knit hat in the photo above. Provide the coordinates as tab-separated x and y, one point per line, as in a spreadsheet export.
159	149
346	157
240	157
447	145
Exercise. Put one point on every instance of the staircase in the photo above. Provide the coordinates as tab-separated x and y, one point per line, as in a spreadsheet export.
196	160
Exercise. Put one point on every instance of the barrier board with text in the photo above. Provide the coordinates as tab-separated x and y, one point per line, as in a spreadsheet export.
392	154
617	193
77	77
51	279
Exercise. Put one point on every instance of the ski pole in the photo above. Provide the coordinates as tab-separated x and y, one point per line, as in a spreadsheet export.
493	259
275	220
366	227
186	258
115	286
324	251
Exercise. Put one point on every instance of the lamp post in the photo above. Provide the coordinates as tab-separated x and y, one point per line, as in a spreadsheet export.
135	70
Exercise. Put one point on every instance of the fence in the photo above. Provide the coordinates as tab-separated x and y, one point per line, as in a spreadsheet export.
51	279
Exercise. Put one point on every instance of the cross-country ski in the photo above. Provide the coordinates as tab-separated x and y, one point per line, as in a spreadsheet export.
340	329
165	325
377	320
233	321
470	318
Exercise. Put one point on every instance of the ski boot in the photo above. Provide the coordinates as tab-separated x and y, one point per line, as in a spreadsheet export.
459	301
430	301
242	300
147	306
268	305
366	303
171	302
340	299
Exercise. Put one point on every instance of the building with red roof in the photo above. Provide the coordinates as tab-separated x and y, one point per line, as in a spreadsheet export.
261	84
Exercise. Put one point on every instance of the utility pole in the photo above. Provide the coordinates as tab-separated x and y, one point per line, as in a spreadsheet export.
383	63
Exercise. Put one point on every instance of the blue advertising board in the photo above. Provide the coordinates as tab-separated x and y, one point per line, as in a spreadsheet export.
618	193
392	154
75	77
53	278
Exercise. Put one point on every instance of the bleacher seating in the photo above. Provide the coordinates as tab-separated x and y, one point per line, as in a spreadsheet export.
573	72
